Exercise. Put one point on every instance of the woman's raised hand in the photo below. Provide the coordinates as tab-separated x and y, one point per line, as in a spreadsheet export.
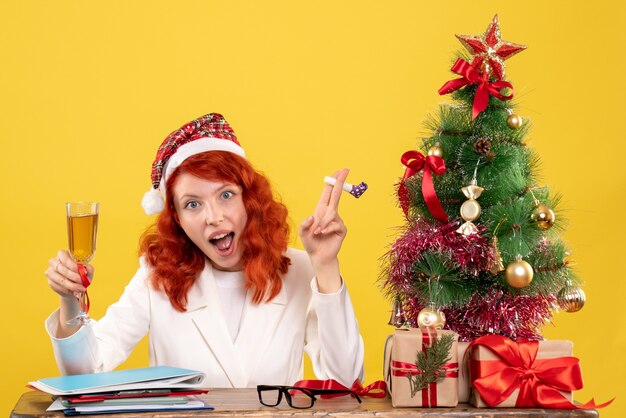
64	279
63	276
323	233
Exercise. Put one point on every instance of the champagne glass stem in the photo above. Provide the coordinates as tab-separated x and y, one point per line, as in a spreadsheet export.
81	301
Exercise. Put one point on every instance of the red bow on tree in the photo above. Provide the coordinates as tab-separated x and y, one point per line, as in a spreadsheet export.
414	163
539	380
471	76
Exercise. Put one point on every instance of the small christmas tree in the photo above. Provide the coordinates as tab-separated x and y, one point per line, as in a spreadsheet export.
480	250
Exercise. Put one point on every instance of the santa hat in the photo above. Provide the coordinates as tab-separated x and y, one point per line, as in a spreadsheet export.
208	133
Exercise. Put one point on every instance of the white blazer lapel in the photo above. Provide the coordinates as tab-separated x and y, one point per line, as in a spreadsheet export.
258	325
205	310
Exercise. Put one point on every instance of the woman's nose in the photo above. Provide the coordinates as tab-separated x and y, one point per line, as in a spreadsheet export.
214	216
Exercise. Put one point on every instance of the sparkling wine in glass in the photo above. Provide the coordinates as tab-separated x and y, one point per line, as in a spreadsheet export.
82	230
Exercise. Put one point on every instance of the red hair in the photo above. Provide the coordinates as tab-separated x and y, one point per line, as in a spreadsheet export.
176	260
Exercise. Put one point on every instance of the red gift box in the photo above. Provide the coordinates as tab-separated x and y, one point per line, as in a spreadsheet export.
505	373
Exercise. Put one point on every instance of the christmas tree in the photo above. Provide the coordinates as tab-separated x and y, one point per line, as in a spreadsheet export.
480	250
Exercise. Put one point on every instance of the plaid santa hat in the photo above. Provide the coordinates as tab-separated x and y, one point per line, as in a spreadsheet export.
207	133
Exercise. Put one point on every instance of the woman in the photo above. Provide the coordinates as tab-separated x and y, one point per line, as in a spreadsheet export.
217	288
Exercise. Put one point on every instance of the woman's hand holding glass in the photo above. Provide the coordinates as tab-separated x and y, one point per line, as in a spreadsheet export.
323	233
64	279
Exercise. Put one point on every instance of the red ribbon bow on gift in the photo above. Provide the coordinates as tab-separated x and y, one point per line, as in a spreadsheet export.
469	75
538	380
414	163
377	389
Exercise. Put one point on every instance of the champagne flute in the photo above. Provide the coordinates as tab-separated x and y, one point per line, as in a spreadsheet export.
82	230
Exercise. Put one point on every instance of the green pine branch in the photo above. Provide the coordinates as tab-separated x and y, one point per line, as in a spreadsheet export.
430	363
552	269
437	280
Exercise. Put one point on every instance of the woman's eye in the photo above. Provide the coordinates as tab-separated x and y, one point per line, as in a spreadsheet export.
227	195
192	204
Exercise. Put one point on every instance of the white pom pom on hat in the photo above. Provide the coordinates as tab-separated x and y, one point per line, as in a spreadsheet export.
210	132
153	202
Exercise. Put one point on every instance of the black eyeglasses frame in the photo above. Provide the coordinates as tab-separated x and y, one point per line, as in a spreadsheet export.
311	393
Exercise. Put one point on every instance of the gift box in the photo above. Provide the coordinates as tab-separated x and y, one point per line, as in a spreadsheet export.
410	385
464	383
505	373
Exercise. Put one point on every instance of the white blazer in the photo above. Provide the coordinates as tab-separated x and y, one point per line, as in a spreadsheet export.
268	349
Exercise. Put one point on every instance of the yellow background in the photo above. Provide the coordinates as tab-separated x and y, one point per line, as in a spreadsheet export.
89	89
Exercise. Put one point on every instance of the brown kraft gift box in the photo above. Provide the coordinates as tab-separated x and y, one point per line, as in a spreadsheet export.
464	378
547	350
403	347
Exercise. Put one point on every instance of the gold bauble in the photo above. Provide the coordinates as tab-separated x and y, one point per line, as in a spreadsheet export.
571	298
430	317
436	151
543	216
470	210
519	274
514	121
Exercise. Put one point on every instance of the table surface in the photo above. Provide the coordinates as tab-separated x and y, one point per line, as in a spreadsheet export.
245	403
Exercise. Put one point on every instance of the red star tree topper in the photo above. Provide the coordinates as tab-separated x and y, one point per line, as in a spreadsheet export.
489	50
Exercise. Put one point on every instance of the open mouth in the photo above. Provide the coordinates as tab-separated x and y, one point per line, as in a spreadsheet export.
223	241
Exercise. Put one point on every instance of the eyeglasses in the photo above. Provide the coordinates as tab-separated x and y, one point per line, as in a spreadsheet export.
300	398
